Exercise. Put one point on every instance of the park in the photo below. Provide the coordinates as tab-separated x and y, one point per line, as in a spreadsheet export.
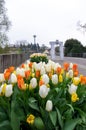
42	79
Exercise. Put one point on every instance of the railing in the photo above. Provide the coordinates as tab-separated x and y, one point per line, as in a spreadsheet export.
7	60
83	55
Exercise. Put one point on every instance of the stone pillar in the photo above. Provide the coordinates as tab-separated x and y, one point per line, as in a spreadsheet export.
61	50
52	50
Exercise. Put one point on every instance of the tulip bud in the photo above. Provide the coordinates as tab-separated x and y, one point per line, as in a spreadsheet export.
13	78
49	105
72	89
45	78
43	91
8	91
54	79
33	82
1	77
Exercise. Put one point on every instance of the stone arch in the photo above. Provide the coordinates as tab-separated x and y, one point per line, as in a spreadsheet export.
61	49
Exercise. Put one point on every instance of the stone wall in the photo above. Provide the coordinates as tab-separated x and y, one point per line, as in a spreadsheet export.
7	60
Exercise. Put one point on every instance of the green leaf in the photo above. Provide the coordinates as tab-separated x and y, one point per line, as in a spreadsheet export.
39	124
15	121
33	103
71	107
70	124
3	116
53	117
5	125
34	106
82	114
57	90
59	117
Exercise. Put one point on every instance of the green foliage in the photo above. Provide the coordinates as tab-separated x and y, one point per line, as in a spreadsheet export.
73	46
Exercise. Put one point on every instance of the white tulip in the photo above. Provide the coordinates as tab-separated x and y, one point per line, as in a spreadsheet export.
2	77
56	66
72	89
48	67
27	61
20	71
54	79
8	91
13	78
45	78
70	73
71	65
49	105
43	91
36	66
42	70
33	82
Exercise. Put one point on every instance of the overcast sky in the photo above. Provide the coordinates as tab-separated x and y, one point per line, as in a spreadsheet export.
50	20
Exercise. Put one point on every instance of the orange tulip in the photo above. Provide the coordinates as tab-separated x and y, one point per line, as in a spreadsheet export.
7	74
21	83
76	73
59	69
27	74
37	73
83	79
22	66
75	66
11	68
41	82
30	64
66	66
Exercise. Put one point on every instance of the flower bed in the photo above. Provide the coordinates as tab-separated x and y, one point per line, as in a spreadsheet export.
39	57
40	96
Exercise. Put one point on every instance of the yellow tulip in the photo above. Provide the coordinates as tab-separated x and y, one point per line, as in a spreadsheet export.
60	78
30	119
74	97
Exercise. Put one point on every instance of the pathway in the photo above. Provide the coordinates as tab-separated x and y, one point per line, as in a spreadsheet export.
80	61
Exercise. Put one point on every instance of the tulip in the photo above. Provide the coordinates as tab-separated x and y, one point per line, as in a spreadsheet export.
49	105
54	79
43	91
45	78
60	78
20	71
13	78
71	65
42	70
2	77
48	67
33	82
76	80
8	90
72	89
70	73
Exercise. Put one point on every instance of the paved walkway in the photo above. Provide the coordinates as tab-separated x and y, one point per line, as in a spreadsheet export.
80	61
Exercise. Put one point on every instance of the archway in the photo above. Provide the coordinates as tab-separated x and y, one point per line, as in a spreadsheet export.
61	49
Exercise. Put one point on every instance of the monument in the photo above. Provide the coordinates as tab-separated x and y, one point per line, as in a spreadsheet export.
61	49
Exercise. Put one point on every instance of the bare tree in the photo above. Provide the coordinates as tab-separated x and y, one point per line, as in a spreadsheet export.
4	23
81	27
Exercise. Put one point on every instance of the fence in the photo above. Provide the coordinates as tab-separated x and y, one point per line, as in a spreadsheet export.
7	60
83	55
